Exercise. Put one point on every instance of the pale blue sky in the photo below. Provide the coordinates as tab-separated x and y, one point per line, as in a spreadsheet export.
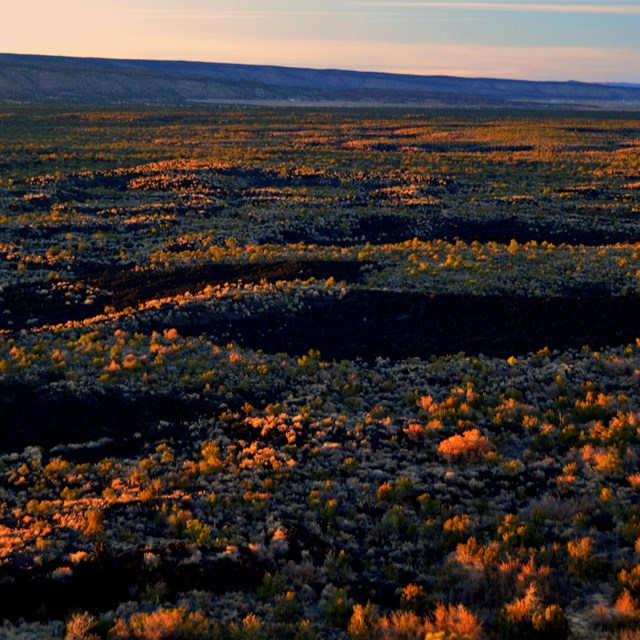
591	40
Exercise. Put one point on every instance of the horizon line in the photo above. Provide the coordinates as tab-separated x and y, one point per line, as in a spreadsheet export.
319	69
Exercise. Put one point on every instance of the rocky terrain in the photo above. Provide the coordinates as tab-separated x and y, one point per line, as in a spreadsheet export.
313	373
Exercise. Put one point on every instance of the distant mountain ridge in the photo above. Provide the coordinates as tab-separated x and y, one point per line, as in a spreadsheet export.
635	85
35	78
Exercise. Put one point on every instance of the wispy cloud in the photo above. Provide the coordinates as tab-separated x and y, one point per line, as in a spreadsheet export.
319	38
510	6
231	14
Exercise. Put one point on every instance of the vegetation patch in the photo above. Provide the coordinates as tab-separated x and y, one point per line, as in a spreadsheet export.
314	373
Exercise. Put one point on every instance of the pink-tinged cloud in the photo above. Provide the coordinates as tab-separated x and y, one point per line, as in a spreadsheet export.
533	63
510	6
165	31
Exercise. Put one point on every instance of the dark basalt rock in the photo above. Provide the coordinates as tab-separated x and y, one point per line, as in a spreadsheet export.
108	578
398	325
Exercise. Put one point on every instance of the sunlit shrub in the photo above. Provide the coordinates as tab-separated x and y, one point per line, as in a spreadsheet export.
401	625
626	605
581	560
363	623
527	618
81	626
93	525
515	533
163	624
456	529
471	446
198	531
414	598
629	580
251	628
472	552
456	621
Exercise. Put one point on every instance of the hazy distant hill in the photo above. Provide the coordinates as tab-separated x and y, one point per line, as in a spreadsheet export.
634	85
25	78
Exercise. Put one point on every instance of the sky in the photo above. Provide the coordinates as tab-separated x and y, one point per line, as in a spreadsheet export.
587	40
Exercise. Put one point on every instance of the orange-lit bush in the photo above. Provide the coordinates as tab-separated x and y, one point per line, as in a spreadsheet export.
471	446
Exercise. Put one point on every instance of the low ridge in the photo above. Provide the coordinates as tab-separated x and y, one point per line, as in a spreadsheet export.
35	78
